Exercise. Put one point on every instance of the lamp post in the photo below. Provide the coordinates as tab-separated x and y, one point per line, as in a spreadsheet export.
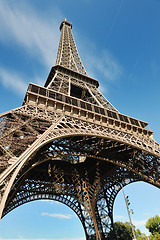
127	206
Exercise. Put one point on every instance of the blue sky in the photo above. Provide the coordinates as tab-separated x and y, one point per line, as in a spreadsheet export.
118	42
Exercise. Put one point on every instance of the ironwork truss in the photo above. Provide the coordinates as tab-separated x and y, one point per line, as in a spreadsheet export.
68	143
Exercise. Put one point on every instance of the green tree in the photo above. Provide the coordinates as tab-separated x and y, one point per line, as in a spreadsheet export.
155	236
124	232
140	235
153	225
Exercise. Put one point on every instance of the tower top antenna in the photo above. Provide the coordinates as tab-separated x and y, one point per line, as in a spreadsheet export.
65	22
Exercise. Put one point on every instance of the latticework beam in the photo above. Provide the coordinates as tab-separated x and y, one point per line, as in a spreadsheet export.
68	143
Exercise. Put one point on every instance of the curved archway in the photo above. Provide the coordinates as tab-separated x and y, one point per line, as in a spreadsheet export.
85	168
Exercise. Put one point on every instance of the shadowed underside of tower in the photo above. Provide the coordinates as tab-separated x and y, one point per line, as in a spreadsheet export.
68	143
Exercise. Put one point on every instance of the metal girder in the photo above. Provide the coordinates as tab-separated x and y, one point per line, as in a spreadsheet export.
68	143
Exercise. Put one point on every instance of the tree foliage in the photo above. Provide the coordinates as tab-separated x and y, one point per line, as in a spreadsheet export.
123	231
140	235
155	236
153	225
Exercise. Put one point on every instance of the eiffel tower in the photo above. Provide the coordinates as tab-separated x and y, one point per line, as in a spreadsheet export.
68	143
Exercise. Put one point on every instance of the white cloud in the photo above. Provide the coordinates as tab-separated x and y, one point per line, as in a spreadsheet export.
47	201
100	64
105	64
35	33
12	81
103	89
16	82
98	61
139	223
57	215
117	218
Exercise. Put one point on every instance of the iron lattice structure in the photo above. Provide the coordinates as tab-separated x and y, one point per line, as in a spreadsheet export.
68	143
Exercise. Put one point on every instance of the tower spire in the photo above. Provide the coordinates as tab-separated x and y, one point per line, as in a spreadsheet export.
69	77
67	55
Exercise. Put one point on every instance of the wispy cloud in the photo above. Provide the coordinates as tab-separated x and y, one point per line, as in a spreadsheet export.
117	218
99	61
38	35
35	33
104	64
101	65
51	202
139	223
13	81
57	215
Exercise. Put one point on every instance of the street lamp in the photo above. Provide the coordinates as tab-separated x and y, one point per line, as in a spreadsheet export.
127	206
